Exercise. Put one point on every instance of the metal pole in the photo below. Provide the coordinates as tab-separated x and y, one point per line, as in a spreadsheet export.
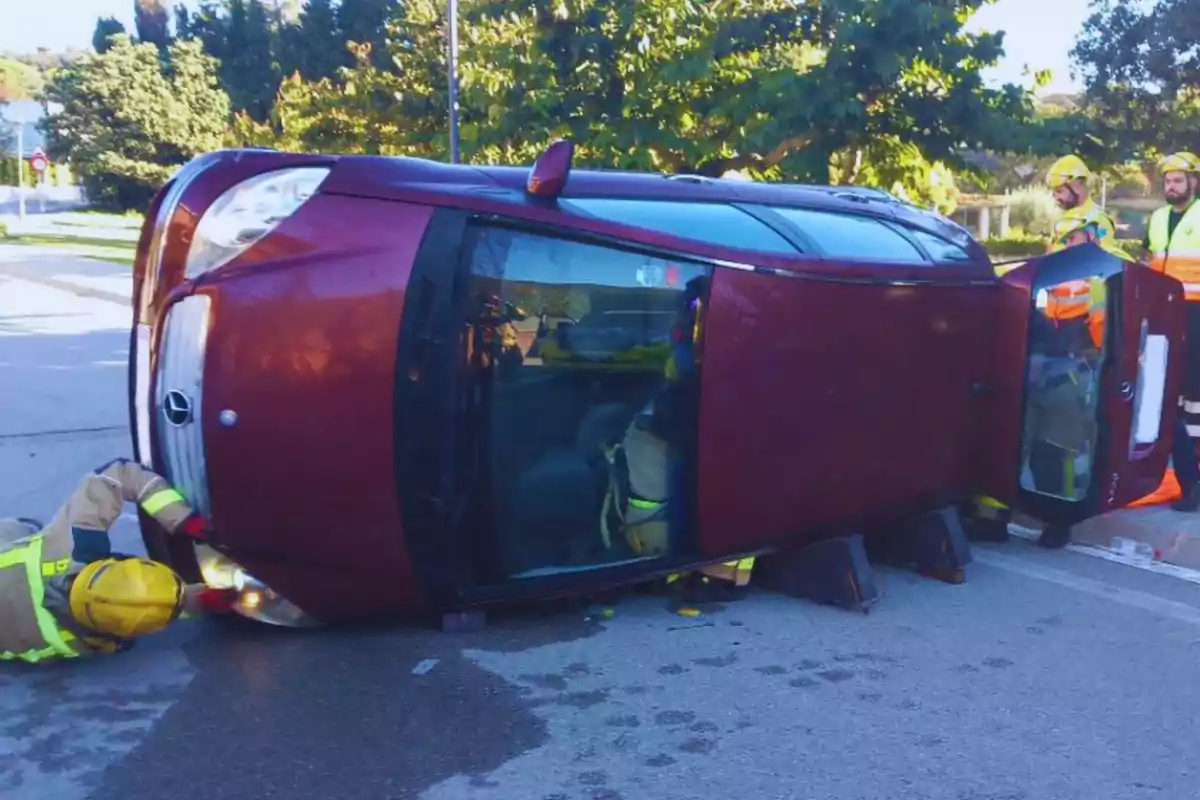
452	68
21	170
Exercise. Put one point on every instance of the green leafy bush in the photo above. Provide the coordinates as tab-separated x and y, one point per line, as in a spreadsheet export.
1025	245
3	231
1033	210
1015	245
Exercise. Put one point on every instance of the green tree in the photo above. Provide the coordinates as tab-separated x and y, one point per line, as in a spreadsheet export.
771	87
152	22
366	22
1142	73
240	35
106	28
129	120
18	81
315	46
358	111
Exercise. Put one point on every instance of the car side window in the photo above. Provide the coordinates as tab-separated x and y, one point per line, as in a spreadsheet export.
583	364
938	248
713	223
855	237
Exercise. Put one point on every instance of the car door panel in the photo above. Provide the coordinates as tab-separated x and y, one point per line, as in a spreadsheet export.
1096	421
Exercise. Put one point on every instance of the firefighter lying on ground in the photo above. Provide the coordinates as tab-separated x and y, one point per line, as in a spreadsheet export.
646	473
64	594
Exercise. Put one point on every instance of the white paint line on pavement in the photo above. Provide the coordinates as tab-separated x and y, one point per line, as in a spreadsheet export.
1128	597
1158	567
424	666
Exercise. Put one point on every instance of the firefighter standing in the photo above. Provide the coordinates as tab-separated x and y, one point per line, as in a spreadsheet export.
64	594
1068	180
1173	241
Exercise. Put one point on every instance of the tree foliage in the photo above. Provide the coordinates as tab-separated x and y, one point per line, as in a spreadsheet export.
853	90
18	81
152	22
106	28
1142	73
129	119
879	92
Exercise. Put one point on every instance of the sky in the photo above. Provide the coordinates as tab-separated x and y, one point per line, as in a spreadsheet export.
1038	33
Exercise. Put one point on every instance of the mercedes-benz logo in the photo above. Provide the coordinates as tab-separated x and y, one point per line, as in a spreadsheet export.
177	408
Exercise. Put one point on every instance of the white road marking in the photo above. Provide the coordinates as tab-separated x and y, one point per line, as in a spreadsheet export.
424	666
1110	591
1159	567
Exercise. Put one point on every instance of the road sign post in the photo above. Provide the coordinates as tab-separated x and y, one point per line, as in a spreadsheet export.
20	170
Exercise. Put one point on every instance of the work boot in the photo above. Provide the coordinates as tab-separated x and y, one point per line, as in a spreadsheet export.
1055	537
1189	501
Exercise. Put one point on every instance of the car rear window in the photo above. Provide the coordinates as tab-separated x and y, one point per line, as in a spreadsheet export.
712	223
847	236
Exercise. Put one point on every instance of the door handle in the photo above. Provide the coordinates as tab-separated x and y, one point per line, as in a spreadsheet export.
1125	388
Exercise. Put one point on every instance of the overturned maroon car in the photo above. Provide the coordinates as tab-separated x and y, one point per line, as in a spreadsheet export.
399	386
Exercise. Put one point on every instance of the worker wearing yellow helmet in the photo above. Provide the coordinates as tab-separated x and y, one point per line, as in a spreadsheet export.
64	594
1068	180
1173	241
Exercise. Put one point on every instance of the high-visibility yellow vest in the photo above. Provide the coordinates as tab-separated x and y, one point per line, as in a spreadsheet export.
28	631
1177	254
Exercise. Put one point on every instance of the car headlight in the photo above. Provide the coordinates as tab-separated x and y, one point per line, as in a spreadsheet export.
256	600
248	212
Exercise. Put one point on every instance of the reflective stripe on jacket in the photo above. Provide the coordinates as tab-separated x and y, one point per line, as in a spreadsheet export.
1177	254
28	631
1080	298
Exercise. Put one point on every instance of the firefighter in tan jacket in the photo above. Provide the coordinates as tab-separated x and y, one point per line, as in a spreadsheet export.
64	594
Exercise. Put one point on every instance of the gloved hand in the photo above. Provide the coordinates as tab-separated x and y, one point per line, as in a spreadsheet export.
200	599
197	527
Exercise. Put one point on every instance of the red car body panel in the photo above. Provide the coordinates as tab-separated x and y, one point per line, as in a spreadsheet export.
800	432
306	354
834	396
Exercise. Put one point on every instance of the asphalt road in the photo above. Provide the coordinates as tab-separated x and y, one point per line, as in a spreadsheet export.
1047	676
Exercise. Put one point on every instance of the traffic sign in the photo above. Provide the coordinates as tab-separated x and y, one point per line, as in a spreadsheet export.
38	161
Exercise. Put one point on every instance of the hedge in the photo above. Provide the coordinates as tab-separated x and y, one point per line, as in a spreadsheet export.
59	174
1024	246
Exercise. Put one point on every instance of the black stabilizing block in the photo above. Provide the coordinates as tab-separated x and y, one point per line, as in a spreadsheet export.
933	543
830	572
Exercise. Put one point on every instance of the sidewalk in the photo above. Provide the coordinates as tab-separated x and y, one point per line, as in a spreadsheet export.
1174	536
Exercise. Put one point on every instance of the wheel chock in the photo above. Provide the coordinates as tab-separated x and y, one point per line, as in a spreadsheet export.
829	572
934	544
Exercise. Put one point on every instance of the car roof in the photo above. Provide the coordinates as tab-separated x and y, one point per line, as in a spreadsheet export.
506	185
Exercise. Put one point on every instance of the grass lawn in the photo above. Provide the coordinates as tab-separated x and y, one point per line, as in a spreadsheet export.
99	219
114	251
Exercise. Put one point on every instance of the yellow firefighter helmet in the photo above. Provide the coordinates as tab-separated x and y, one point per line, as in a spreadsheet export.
126	597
